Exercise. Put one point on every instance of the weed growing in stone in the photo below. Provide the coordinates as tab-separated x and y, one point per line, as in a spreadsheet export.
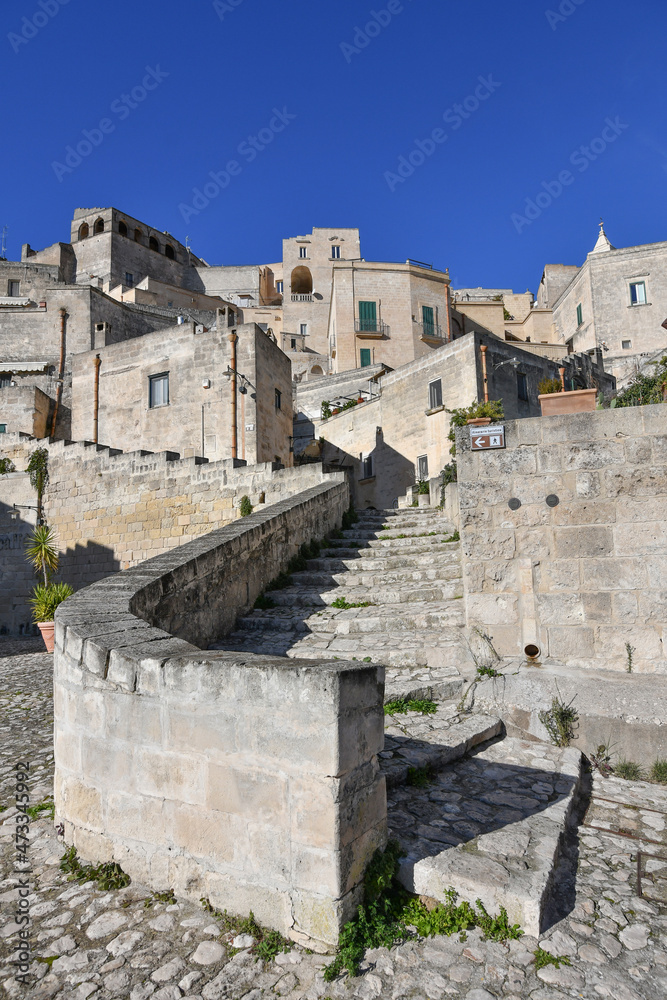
344	605
601	760
486	670
659	771
280	582
245	507
560	721
388	911
47	806
629	651
400	706
629	770
543	958
160	897
420	777
454	537
107	876
268	943
262	603
350	517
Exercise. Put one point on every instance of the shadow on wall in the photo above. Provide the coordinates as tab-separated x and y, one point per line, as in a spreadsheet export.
379	477
87	563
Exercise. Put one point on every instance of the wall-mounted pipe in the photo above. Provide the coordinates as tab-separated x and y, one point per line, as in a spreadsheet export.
232	338
96	397
61	371
562	377
483	348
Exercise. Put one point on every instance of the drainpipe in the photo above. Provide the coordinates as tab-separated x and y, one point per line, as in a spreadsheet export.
61	371
96	397
562	377
232	338
449	312
483	348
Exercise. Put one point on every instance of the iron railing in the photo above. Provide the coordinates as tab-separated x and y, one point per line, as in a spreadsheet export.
371	326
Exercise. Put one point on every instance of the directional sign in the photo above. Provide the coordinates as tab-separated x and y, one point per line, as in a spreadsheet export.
483	438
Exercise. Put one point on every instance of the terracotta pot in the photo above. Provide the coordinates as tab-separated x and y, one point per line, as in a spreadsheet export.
554	404
47	630
361	399
336	410
479	421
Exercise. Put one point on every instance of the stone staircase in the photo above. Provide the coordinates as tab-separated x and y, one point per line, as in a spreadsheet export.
473	810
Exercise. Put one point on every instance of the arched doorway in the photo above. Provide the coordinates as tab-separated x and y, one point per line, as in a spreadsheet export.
302	281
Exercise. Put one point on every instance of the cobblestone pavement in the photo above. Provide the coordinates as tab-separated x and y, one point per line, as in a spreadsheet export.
111	945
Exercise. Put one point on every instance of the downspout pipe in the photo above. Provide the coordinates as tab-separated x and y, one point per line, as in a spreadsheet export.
61	371
232	338
96	397
483	348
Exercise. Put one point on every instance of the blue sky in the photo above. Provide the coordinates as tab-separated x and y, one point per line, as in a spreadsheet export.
360	88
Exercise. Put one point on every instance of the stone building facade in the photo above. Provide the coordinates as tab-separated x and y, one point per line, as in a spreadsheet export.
169	391
383	313
617	300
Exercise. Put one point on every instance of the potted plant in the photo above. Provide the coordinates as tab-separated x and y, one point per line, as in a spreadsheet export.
555	400
423	493
43	554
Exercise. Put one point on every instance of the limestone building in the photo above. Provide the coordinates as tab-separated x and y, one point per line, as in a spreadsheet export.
616	300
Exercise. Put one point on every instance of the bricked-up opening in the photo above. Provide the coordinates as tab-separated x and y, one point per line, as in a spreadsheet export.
83	231
99	226
169	252
302	281
153	244
122	229
138	236
531	650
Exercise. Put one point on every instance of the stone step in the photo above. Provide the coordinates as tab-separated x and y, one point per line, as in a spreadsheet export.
365	560
312	597
369	548
634	809
378	578
417	531
491	827
384	618
413	740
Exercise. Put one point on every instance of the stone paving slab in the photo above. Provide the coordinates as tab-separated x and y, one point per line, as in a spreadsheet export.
616	942
490	827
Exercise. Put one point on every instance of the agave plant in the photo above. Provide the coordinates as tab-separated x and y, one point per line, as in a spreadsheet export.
45	600
41	551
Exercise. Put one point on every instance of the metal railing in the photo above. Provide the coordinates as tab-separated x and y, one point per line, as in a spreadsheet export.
371	326
432	331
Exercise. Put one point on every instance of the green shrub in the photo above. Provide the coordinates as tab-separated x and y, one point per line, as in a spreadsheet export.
559	721
423	487
45	600
645	388
659	771
6	465
245	507
262	603
400	706
459	418
629	770
350	517
549	385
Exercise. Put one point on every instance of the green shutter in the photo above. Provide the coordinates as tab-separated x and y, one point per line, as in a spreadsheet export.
427	320
367	317
580	315
365	355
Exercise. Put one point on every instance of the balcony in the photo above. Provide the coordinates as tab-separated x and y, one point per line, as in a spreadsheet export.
431	333
302	298
371	328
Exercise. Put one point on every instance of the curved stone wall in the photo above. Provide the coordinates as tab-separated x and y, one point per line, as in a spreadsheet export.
251	780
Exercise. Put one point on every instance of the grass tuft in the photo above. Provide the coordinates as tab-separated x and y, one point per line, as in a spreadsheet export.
629	770
400	706
107	876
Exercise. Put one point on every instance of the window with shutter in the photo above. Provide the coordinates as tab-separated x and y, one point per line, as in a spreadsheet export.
365	357
428	320
367	317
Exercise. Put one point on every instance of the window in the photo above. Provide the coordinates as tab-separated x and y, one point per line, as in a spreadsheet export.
435	394
279	287
367	467
137	236
335	253
293	344
3	428
428	321
158	390
129	279
638	293
303	251
279	399
122	229
153	244
580	315
83	230
303	329
99	226
626	345
367	317
5	381
364	357
422	466
231	318
14	288
169	252
522	386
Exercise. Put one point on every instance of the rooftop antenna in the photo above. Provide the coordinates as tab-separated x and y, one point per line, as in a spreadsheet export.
3	248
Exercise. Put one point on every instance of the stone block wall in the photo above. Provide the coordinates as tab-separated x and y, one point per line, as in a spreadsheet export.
250	780
585	578
112	510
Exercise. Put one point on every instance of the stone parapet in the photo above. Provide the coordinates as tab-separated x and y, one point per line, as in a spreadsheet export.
250	780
